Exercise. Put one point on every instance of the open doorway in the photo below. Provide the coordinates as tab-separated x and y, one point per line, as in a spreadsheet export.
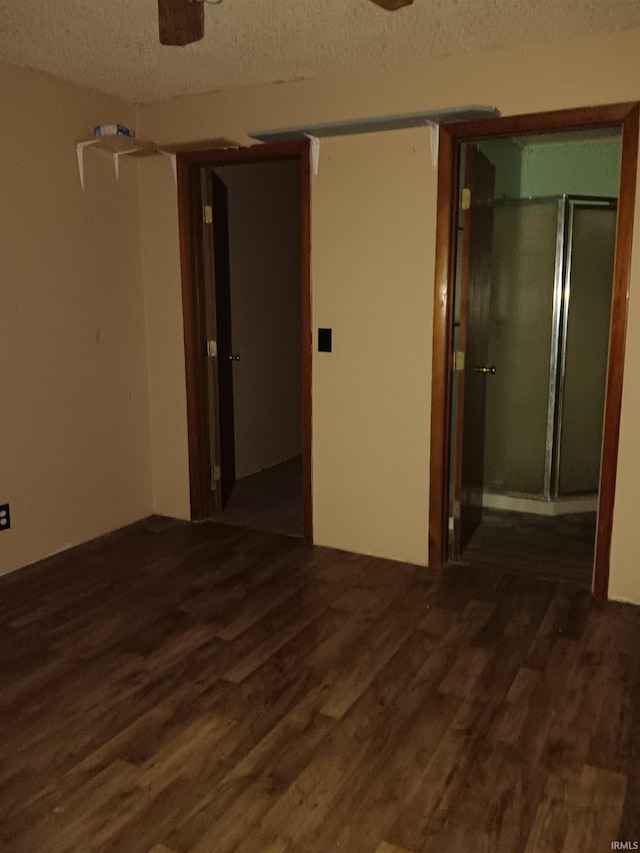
543	263
258	327
211	354
476	371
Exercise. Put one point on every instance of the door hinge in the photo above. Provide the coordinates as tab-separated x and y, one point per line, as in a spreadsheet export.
215	473
465	198
212	349
458	360
207	214
455	510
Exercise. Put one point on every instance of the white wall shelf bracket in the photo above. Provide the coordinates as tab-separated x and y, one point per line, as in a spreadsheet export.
314	153
434	133
118	145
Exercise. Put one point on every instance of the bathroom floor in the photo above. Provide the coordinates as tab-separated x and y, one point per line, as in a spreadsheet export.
558	548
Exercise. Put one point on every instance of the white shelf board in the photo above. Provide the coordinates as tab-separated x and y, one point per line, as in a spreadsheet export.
118	145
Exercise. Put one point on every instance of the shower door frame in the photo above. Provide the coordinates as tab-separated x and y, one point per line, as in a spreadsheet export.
563	276
565	205
452	137
559	201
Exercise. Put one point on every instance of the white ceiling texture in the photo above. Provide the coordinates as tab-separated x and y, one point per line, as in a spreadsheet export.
112	45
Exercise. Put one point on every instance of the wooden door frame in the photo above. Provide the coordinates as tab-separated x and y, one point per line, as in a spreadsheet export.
626	117
189	166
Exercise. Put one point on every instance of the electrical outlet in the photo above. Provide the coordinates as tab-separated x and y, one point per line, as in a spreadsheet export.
5	518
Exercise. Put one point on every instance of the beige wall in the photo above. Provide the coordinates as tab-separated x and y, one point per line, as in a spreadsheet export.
165	343
74	413
264	246
372	284
84	417
373	212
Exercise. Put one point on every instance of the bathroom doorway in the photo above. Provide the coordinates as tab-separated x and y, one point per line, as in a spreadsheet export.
546	251
541	443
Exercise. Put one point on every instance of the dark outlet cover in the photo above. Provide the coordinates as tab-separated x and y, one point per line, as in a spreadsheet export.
324	340
5	518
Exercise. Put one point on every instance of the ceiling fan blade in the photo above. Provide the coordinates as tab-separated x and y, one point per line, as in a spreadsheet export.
180	21
392	5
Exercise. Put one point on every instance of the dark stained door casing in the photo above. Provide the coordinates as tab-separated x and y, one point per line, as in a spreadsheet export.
222	288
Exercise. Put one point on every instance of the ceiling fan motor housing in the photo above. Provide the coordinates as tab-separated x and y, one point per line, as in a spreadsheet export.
180	22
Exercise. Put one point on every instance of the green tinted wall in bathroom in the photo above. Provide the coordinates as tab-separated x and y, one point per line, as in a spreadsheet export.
592	168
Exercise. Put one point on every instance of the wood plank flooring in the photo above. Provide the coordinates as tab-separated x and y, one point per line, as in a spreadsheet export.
269	500
175	688
558	548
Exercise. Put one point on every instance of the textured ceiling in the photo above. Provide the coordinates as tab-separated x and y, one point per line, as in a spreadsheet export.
112	45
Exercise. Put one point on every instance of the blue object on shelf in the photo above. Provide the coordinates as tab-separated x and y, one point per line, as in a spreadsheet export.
112	130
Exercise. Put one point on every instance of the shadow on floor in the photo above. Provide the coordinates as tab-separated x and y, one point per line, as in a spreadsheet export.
270	500
557	548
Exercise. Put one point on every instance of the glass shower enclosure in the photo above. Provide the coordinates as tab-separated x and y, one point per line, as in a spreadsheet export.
550	311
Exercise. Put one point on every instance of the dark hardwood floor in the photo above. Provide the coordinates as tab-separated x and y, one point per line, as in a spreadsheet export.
269	500
208	688
557	547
